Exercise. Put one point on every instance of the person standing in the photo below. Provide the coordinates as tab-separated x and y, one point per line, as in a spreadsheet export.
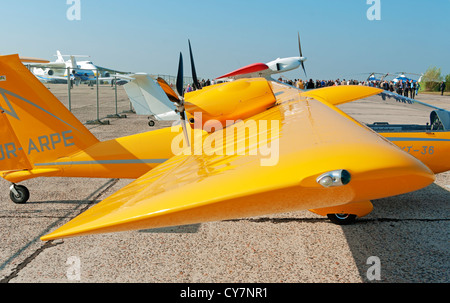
406	88
442	88
399	87
391	86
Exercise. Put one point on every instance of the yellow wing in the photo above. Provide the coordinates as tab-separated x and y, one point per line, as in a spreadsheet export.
341	94
273	169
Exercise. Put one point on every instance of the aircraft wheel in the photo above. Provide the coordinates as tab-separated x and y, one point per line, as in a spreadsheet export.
20	194
151	123
342	219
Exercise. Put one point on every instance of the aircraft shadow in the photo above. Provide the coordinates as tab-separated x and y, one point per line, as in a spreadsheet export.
409	234
76	202
184	229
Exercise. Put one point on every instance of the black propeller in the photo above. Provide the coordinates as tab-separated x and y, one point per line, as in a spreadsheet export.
180	77
194	73
178	100
301	55
180	103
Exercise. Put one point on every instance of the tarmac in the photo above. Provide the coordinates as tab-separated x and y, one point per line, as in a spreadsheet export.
405	238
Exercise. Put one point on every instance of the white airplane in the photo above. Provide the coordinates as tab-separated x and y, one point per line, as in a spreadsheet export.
79	70
266	70
148	98
151	97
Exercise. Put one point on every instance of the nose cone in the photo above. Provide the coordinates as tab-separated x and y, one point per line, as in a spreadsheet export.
303	59
388	171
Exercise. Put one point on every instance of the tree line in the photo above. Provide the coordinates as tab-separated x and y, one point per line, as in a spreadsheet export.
433	78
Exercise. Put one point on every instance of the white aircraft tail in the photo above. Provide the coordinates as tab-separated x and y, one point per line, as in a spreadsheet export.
60	58
74	62
148	98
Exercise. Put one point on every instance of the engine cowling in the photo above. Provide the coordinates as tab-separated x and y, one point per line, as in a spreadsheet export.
231	101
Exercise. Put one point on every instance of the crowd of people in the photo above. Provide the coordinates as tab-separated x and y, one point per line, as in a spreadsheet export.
405	88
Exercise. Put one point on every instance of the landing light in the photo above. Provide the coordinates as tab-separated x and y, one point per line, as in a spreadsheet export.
334	178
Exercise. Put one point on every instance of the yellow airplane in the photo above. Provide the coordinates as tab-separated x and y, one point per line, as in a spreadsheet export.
245	148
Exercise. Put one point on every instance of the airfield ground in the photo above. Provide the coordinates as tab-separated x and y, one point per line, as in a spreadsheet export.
409	234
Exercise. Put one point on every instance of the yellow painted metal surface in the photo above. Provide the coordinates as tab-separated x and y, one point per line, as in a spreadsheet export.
336	95
307	141
125	158
432	148
42	126
231	101
267	162
40	137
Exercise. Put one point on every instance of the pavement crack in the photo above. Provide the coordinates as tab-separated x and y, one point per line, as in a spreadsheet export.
325	220
280	220
89	201
28	260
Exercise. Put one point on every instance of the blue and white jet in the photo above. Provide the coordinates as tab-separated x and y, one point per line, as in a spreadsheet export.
61	69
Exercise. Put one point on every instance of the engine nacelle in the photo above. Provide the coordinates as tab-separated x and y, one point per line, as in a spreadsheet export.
231	101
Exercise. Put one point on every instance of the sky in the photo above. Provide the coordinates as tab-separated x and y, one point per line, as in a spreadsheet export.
147	35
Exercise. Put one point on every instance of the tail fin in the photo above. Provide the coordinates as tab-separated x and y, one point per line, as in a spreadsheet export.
74	62
59	56
35	126
148	98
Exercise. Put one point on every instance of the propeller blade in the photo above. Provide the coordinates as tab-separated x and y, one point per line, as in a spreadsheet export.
299	46
304	70
180	104
180	77
183	125
168	90
301	55
194	73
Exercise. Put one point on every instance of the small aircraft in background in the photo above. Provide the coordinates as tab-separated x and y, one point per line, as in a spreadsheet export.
266	70
148	98
401	77
60	69
373	77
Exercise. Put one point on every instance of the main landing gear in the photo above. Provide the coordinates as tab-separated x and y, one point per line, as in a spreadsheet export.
19	194
345	214
342	219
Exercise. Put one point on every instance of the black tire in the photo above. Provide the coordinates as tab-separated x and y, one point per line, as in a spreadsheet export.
342	219
24	194
151	123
